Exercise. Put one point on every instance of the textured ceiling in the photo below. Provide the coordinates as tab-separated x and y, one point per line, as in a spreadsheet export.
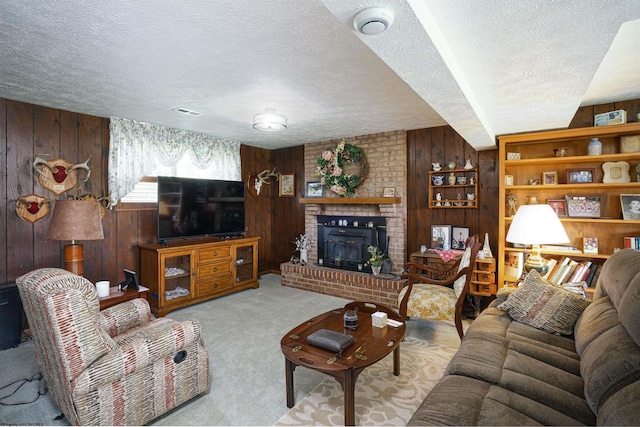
484	67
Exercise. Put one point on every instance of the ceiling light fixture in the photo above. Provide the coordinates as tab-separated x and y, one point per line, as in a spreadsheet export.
270	121
372	21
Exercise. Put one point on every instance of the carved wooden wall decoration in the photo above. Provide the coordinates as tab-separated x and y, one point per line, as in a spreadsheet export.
58	175
32	207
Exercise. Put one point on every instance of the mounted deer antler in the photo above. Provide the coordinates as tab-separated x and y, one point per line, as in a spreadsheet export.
83	165
91	197
264	177
58	175
32	207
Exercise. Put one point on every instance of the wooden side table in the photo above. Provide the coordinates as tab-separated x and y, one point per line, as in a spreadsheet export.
117	296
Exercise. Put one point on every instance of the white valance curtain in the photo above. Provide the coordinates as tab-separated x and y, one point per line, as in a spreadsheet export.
135	147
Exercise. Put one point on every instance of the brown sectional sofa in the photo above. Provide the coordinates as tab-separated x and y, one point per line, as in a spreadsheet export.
509	373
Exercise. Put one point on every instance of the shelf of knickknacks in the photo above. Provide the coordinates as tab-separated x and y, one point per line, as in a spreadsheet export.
445	186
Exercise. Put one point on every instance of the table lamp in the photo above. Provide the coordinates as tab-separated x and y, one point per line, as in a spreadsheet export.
75	220
536	225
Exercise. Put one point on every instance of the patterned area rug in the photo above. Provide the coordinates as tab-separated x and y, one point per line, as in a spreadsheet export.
381	398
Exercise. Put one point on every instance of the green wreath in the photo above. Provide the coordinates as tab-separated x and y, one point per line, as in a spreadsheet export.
332	165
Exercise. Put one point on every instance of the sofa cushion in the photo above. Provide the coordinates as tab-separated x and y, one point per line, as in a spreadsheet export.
459	400
544	306
620	280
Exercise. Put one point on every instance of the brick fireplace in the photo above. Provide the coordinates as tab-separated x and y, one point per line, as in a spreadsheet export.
386	155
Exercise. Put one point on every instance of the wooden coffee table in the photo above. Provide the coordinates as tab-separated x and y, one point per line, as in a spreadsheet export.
371	345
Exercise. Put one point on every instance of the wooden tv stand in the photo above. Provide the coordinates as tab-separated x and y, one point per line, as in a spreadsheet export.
186	272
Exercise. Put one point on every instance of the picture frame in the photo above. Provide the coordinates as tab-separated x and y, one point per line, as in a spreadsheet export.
630	204
513	265
550	178
441	236
508	180
580	176
389	192
287	185
459	236
590	245
583	207
559	206
315	189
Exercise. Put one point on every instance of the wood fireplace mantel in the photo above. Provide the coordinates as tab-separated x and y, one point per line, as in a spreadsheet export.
350	200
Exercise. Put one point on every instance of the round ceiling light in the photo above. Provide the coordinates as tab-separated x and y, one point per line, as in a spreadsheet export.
269	121
372	21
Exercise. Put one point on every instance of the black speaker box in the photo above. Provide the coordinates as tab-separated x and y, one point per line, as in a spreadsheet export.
10	316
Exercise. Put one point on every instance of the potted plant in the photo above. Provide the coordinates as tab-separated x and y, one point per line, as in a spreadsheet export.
375	259
303	244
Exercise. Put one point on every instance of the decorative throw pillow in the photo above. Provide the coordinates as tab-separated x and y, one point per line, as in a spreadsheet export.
539	304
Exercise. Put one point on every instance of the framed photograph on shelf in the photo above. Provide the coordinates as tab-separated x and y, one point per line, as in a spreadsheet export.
441	236
315	189
630	206
550	178
580	176
287	184
508	180
559	206
459	236
583	207
513	265
590	245
389	192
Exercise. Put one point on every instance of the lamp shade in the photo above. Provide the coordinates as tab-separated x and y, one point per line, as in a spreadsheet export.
75	220
536	225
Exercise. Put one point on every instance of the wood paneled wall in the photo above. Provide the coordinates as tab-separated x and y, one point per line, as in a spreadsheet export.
442	145
28	130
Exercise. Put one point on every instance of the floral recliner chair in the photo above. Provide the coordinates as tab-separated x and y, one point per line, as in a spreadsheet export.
110	367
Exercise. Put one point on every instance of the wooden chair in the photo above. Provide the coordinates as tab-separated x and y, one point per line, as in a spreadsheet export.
438	293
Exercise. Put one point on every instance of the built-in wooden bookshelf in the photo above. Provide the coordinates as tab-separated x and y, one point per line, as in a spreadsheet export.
536	156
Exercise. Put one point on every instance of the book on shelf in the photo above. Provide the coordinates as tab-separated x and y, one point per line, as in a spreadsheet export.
566	273
555	248
576	287
632	242
560	266
551	265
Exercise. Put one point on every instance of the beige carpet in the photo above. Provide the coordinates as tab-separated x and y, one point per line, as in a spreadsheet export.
380	397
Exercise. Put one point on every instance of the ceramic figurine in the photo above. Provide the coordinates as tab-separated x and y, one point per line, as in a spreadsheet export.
468	165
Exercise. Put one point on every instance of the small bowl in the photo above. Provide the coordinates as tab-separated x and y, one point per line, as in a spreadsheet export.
462	180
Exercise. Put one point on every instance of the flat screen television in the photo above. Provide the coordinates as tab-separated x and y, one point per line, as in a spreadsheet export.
189	207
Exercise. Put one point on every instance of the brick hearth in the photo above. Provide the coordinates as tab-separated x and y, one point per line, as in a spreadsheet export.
341	283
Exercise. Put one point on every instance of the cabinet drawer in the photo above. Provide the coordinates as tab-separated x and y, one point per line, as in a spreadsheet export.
216	284
486	266
212	254
483	276
483	288
208	271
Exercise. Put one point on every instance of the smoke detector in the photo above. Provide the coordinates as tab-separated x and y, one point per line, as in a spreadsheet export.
372	21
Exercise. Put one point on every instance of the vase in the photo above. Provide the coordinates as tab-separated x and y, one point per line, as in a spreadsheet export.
303	255
376	270
594	147
452	178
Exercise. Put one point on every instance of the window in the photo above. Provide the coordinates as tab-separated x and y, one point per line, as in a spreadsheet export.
146	191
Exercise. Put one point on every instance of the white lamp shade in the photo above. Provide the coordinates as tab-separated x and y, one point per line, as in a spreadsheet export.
536	225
